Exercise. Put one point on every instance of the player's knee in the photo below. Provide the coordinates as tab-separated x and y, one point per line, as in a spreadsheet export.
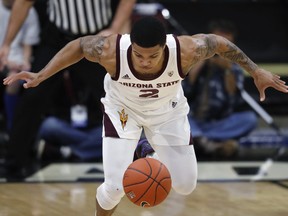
185	186
109	195
185	189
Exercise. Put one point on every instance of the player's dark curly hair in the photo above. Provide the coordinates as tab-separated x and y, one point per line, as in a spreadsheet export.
148	32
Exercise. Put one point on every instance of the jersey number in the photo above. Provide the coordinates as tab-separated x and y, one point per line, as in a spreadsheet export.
149	93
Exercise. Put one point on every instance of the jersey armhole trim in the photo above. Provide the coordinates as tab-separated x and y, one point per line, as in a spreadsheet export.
116	77
181	74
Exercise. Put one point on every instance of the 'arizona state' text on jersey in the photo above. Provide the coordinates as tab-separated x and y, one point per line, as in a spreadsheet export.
146	95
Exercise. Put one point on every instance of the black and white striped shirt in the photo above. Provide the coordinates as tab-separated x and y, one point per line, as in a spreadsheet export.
80	17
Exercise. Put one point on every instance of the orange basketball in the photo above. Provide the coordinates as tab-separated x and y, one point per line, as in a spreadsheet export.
147	182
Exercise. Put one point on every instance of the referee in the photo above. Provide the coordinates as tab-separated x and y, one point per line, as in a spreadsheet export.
64	21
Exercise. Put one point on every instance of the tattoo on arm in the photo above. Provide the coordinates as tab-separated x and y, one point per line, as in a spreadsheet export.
210	44
93	46
234	54
206	47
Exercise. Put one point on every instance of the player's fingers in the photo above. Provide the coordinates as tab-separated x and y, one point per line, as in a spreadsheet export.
262	95
280	85
7	80
29	83
282	88
26	85
12	78
280	81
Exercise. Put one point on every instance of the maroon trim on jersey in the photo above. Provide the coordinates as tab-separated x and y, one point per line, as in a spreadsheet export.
181	74
148	76
117	58
109	128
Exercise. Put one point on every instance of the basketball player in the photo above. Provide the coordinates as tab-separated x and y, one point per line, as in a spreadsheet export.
143	92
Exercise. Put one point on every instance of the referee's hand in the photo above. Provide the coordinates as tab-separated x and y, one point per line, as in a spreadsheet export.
4	51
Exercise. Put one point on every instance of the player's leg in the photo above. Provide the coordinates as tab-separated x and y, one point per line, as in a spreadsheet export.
102	212
171	156
121	133
182	164
172	142
117	156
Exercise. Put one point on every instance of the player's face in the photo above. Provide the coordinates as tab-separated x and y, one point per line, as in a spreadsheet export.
147	59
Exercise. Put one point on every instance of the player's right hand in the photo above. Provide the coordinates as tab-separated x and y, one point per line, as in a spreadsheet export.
31	79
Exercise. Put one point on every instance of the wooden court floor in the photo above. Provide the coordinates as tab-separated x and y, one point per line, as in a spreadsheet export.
262	198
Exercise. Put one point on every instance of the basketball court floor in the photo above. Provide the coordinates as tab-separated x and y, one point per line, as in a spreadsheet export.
224	189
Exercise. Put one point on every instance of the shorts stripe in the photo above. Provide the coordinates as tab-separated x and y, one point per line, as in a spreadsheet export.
109	128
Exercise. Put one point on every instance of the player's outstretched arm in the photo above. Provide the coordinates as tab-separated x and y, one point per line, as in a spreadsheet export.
67	56
208	45
89	47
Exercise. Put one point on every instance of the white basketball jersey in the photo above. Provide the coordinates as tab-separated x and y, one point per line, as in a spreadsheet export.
129	89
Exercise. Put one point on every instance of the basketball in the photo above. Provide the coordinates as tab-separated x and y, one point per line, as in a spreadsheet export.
147	182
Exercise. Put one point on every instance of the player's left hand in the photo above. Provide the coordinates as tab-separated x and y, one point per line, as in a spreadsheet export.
264	79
